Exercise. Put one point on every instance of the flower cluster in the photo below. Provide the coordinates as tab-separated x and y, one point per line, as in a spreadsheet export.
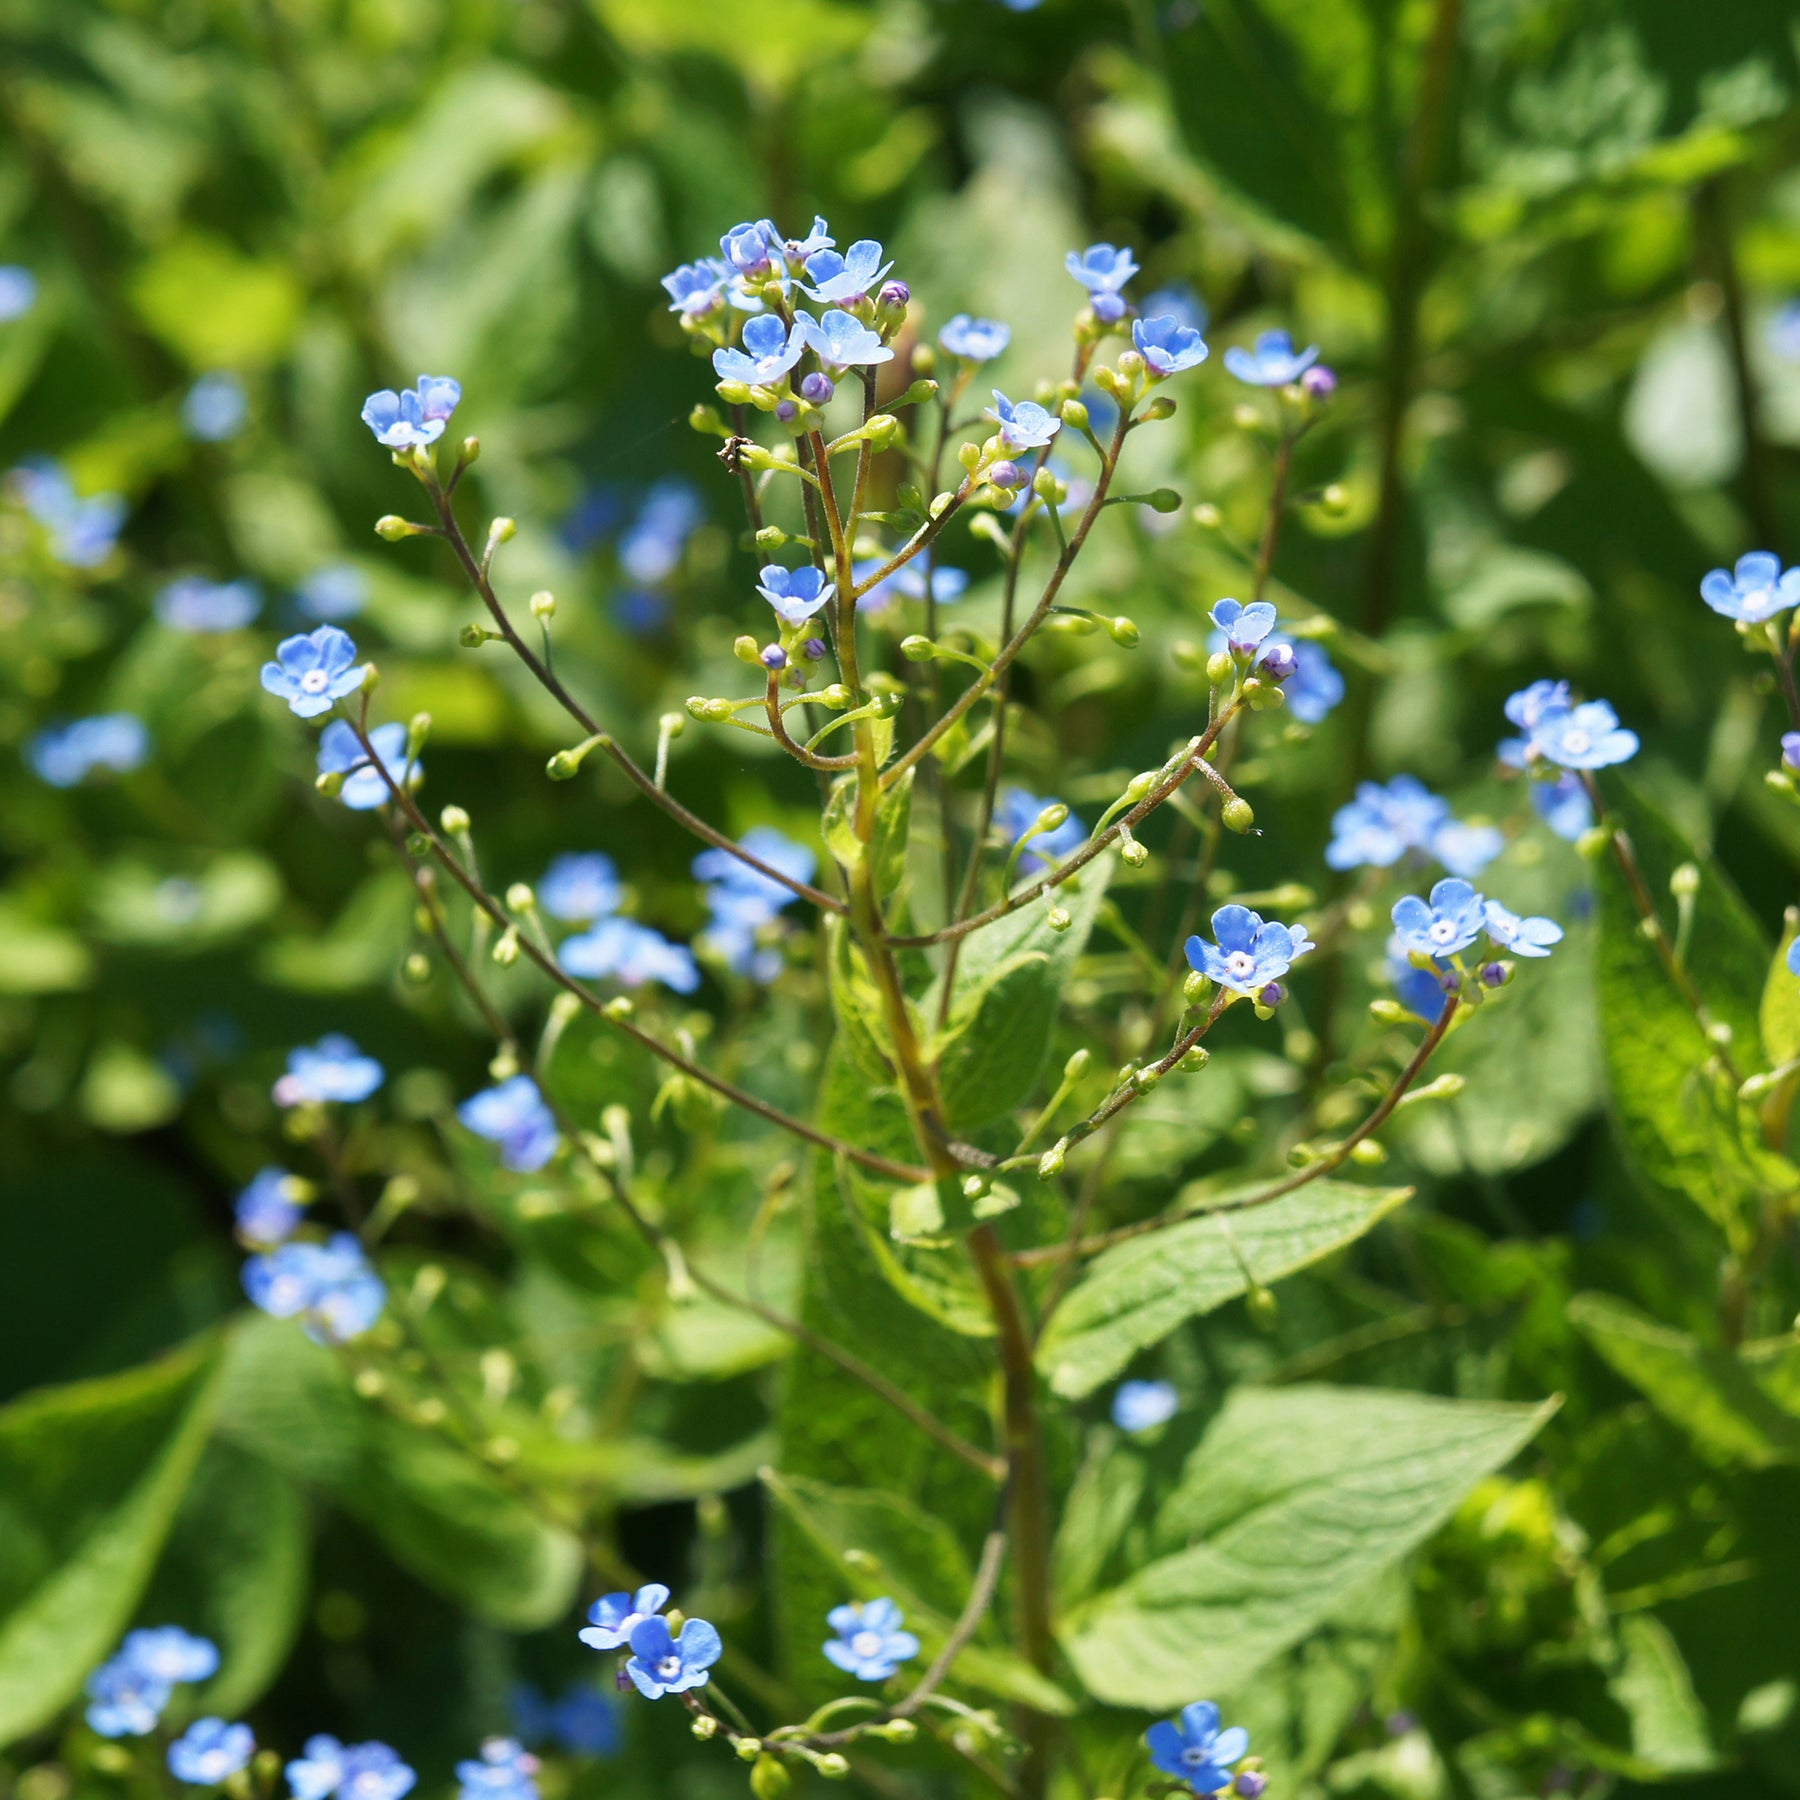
128	1692
332	1070
371	1771
331	1287
198	606
67	753
505	1770
269	1210
661	1661
1560	733
743	902
1253	634
1384	824
82	529
515	1116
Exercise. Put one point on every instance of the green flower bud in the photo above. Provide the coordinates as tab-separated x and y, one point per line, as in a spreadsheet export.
881	431
735	393
1058	918
1077	1065
392	527
472	637
1074	415
748	1748
706	421
331	783
1195	1060
832	1766
917	648
520	898
1195	987
924	360
418	729
543	604
1131	365
1335	500
1237	815
1389	1012
704	1726
1368	1154
506	948
1162	407
1050	1164
1684	884
1123	631
768	1779
1220	668
563	766
416	970
454	820
747	650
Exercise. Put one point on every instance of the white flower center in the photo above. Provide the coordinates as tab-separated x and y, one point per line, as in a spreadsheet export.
314	681
866	1643
668	1668
1577	742
1193	1756
1442	931
1240	963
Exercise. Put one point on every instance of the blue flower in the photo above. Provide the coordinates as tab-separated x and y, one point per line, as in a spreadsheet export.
908	583
870	1643
975	340
795	594
1018	811
660	1664
1420	991
372	1772
697	287
215	407
337	591
66	753
1248	953
832	277
195	604
330	1287
125	1700
842	340
1244	626
1103	270
580	887
167	1653
1523	937
341	752
1273	363
1466	850
614	1617
770	350
514	1115
1382	824
1529	704
504	1771
314	671
414	416
1452	920
631	954
333	1069
584	1721
1588	736
768	845
209	1751
1142	1405
1167	345
1194	1749
1315	687
749	248
1755	590
82	530
650	548
18	292
1563	805
1026	426
266	1211
1784	332
318	1770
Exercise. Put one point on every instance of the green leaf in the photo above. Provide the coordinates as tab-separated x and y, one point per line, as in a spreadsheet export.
39	958
1738	1408
91	1478
1009	983
1293	1499
856	1004
1780	1013
1136	1293
1668	1724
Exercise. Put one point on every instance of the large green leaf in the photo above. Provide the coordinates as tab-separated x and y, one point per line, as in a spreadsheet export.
1293	1499
91	1478
1669	1731
1135	1294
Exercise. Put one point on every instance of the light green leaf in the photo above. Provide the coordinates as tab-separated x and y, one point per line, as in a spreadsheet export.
36	958
1135	1294
1780	1012
1293	1499
1668	1724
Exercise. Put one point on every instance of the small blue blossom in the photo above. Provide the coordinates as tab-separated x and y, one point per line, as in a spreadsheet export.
975	340
209	1751
1248	953
18	292
1015	815
1563	805
614	1617
697	287
1273	363
770	350
341	752
66	753
1466	850
630	954
795	594
721	869
651	546
1026	426
1167	345
505	1770
515	1116
414	416
373	1771
1588	736
908	583
660	1664
318	1770
125	1700
870	1643
167	1653
194	604
267	1211
1450	921
1193	1749
1244	626
1143	1405
1315	688
842	340
215	407
83	529
580	887
1523	937
1103	270
333	1069
313	671
833	278
330	1287
584	1720
337	591
1420	991
1755	590
1382	824
749	248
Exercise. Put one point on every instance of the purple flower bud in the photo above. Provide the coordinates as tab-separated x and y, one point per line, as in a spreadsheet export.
1250	1784
1319	382
816	389
1109	308
894	293
1493	974
1007	475
1790	749
1280	662
1273	994
774	657
786	411
813	649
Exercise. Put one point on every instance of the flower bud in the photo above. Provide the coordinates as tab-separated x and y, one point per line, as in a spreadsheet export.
1236	814
392	527
1318	383
502	531
543	604
1133	852
454	820
734	393
817	389
1272	995
1368	1154
832	1766
1195	1060
1074	414
895	1731
1123	631
1131	365
1335	500
1050	1164
506	947
1279	662
1006	474
1058	918
562	766
620	1007
768	1779
416	970
1161	407
747	650
331	783
520	898
774	659
1195	987
1684	884
748	1748
705	420
813	649
1077	1065
1496	974
1048	487
786	411
472	637
1220	668
704	1726
969	455
917	648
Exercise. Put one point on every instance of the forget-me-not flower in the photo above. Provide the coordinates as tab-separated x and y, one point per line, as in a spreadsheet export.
333	1069
209	1751
1523	937
583	1720
1244	627
630	954
66	753
215	407
341	752
1563	805
83	529
18	292
580	886
696	288
1588	736
331	1287
414	416
720	868
1315	687
505	1770
195	604
975	340
650	547
1465	849
267	1211
1273	363
795	594
1103	269
614	1617
1015	815
748	248
337	591
171	1654
313	671
1168	346
515	1116
373	1771
662	1664
1143	1405
770	350
125	1700
870	1643
833	278
1193	1748
1453	918
1382	824
908	583
1025	426
318	1769
841	340
1249	952
1755	590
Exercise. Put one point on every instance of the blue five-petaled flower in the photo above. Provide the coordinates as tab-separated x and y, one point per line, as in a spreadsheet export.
795	594
1249	952
1024	426
313	671
333	1069
1451	920
1193	1748
330	1287
870	1643
832	278
1531	936
210	1751
614	1617
661	1663
1244	626
1167	345
414	417
841	340
580	886
515	1116
1755	590
1143	1405
1103	269
1273	363
975	340
505	1770
770	350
